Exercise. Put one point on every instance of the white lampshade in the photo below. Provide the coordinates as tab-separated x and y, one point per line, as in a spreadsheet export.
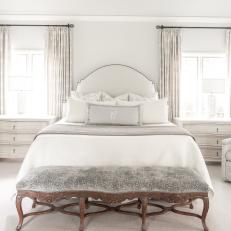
213	86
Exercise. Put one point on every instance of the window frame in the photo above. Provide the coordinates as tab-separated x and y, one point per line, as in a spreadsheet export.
28	74
200	70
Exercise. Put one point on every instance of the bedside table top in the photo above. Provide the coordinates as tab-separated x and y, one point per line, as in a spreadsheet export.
27	117
203	120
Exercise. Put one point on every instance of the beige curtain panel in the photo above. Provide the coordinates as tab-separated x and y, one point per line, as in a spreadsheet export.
58	53
170	46
4	51
228	54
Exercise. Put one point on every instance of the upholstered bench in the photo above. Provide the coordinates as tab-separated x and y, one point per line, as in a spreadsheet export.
111	188
226	159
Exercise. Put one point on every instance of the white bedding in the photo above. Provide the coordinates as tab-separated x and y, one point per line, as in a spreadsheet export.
86	150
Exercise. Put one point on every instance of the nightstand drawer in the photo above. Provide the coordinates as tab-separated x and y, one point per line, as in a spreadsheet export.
30	127
5	138
8	138
13	149
21	126
201	128
224	129
22	138
208	140
212	154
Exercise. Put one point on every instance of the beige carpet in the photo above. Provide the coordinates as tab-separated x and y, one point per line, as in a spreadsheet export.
219	218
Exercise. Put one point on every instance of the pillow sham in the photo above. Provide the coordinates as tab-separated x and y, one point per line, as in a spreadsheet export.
95	96
77	109
155	112
113	115
128	103
135	97
106	97
124	97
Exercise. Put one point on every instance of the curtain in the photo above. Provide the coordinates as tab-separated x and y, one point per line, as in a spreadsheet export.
58	65
4	45
228	55
170	46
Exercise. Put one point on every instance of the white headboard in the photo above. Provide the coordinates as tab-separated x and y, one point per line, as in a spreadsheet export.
116	79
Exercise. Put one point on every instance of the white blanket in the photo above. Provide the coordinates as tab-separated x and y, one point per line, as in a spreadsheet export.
85	150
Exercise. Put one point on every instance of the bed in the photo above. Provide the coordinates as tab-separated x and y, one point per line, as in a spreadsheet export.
117	150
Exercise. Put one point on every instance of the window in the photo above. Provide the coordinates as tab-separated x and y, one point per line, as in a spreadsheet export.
204	86
26	88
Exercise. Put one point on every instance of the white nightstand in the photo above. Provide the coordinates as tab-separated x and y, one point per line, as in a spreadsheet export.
18	132
208	134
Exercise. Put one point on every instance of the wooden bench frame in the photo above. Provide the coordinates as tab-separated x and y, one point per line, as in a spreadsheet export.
107	200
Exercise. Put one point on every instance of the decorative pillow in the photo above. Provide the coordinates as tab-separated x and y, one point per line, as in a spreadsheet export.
113	115
76	110
92	96
135	97
124	97
106	97
128	103
155	112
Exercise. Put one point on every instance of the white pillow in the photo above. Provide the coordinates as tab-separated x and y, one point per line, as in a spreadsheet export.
95	96
135	97
124	97
128	103
106	97
76	110
155	112
113	115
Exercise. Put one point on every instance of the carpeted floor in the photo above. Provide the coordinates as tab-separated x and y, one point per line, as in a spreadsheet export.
219	218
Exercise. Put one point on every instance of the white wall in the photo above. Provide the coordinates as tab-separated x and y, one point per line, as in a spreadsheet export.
131	43
163	8
203	40
27	37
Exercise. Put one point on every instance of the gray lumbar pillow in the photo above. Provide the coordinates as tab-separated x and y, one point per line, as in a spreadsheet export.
113	115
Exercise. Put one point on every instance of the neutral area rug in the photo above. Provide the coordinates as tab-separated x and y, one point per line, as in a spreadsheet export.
218	218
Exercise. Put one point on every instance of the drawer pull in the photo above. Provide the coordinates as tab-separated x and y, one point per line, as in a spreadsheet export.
217	142
13	127
217	154
14	138
217	130
14	150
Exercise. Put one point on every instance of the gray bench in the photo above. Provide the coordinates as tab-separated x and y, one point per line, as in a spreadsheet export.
114	186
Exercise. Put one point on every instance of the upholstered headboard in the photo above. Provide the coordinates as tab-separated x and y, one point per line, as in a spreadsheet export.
116	79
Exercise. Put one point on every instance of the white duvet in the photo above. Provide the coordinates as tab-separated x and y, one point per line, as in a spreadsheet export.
86	150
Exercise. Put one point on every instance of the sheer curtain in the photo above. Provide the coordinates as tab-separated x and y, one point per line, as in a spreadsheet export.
170	46
58	54
228	54
4	48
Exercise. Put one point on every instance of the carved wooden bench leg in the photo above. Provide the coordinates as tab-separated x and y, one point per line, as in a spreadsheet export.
139	204
34	203
20	212
144	203
204	213
86	203
191	204
81	213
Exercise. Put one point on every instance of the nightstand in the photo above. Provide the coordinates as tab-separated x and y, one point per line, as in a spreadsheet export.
208	135
18	132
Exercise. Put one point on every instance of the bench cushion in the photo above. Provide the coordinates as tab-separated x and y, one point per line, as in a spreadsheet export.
113	179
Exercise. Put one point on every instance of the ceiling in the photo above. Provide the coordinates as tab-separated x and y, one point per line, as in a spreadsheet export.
154	8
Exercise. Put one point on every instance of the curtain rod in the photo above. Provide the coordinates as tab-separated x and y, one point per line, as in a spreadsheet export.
62	25
192	27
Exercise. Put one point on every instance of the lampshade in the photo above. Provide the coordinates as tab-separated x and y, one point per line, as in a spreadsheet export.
213	86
